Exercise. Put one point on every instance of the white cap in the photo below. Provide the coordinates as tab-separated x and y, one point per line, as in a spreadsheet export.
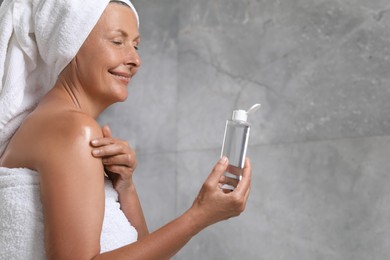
239	115
242	115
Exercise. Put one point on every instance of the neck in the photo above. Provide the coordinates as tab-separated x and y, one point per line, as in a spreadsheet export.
72	92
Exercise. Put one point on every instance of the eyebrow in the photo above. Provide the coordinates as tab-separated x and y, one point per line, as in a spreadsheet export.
121	32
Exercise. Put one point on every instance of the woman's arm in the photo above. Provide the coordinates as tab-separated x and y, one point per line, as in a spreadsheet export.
72	187
211	205
72	193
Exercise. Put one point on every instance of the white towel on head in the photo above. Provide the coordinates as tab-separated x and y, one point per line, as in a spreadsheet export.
129	3
22	220
38	38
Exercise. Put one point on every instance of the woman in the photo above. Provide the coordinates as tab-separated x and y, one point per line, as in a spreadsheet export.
60	133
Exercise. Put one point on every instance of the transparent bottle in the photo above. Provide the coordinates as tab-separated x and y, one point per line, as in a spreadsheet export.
235	143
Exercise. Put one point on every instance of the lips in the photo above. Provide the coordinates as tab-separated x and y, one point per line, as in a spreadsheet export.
122	76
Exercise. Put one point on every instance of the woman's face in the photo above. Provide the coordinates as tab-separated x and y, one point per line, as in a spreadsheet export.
108	59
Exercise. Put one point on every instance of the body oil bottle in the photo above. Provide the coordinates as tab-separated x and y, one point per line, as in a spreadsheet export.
235	143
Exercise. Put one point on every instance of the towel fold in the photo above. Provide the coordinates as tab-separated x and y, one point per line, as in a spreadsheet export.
22	220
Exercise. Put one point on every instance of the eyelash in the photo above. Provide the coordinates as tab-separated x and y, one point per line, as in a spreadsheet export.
120	43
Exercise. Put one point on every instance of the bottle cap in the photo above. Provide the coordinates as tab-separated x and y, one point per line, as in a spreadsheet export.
239	115
242	115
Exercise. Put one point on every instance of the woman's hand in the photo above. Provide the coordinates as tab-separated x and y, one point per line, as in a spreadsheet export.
213	204
118	158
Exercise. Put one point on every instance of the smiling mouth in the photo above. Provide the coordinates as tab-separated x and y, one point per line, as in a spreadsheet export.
121	76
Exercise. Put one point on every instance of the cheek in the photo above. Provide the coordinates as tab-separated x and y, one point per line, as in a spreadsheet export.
96	64
96	60
106	59
113	58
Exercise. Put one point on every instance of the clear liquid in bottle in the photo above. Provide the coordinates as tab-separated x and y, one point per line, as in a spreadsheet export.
235	143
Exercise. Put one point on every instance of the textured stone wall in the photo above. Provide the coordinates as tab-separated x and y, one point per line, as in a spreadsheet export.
319	144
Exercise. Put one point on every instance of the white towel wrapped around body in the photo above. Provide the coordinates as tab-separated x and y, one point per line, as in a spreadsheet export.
22	221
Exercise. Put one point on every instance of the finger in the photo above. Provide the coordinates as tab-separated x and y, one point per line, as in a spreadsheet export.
244	185
231	182
119	170
106	131
102	141
218	170
107	138
246	196
226	180
121	159
111	149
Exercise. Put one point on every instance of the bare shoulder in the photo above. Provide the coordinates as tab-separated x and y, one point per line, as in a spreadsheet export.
66	135
68	125
48	134
52	137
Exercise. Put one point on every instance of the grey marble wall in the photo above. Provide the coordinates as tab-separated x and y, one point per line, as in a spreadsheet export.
319	144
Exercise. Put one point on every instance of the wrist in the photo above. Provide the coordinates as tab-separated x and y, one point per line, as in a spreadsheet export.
126	192
196	220
123	186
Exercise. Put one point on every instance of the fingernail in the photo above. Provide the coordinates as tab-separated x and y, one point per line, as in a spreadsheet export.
224	159
95	152
94	142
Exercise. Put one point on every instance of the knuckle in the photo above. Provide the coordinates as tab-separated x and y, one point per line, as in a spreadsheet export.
218	168
128	157
124	144
119	147
243	207
107	160
207	185
238	201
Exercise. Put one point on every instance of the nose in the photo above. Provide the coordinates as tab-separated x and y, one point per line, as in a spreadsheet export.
133	60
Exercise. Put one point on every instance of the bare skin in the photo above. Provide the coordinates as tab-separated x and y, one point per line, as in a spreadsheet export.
58	140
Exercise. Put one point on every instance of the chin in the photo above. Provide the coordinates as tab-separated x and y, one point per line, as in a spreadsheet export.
117	93
122	99
121	96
